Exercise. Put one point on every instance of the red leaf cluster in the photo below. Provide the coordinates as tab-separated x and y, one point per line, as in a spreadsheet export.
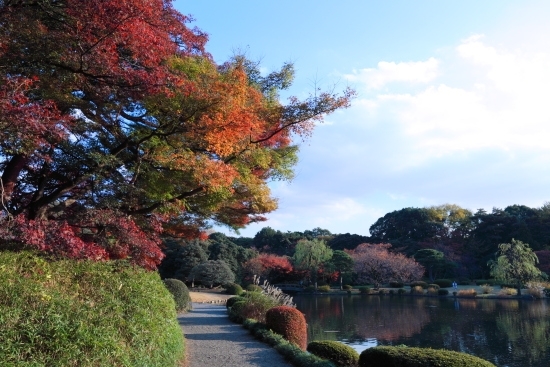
103	235
268	266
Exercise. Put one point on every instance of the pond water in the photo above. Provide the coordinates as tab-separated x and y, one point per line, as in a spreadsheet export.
508	333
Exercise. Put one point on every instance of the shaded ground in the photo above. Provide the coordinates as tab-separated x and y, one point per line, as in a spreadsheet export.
214	341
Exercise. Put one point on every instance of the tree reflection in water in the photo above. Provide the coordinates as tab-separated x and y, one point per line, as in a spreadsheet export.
508	333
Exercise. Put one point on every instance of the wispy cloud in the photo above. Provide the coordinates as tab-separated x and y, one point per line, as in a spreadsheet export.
388	72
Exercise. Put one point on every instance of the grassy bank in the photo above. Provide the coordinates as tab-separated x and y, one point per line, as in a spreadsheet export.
68	313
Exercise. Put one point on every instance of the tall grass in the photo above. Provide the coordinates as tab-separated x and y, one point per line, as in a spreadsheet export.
69	313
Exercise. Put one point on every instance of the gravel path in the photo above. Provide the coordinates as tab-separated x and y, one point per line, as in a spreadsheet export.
214	341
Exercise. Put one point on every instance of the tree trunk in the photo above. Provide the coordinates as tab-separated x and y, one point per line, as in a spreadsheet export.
10	175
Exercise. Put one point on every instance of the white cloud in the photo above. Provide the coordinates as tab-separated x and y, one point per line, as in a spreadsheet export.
503	106
388	72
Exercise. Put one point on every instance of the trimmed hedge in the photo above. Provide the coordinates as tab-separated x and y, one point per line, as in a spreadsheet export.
67	313
434	286
324	288
486	281
444	283
234	289
419	283
443	292
290	323
338	353
180	292
231	301
254	288
290	351
418	357
254	306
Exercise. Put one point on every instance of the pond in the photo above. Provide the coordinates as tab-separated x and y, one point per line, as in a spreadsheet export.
506	332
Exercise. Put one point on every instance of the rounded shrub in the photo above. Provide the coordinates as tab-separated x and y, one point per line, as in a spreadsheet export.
434	286
401	291
364	290
348	287
395	284
180	292
444	283
324	288
231	301
236	311
338	353
288	322
233	288
255	306
419	283
443	292
253	288
418	357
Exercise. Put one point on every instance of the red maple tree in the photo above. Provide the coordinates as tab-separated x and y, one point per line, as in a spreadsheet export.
268	266
117	125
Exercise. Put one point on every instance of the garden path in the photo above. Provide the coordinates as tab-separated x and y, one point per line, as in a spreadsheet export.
214	341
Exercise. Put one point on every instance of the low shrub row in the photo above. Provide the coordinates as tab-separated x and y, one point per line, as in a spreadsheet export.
86	314
443	283
338	353
419	283
254	288
290	351
418	357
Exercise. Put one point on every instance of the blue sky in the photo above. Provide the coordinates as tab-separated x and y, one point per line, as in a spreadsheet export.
452	107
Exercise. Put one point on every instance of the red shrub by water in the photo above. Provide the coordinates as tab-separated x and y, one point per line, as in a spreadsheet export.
290	323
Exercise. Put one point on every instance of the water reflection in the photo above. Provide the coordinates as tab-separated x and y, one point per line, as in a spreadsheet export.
510	333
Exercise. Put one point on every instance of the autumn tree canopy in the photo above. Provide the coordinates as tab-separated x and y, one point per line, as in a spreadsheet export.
374	263
117	125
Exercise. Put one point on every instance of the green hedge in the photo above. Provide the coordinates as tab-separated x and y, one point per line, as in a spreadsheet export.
418	357
82	313
324	288
444	283
290	351
180	292
338	353
254	288
234	289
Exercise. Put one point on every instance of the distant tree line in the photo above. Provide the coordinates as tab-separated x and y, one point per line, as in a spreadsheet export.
444	241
